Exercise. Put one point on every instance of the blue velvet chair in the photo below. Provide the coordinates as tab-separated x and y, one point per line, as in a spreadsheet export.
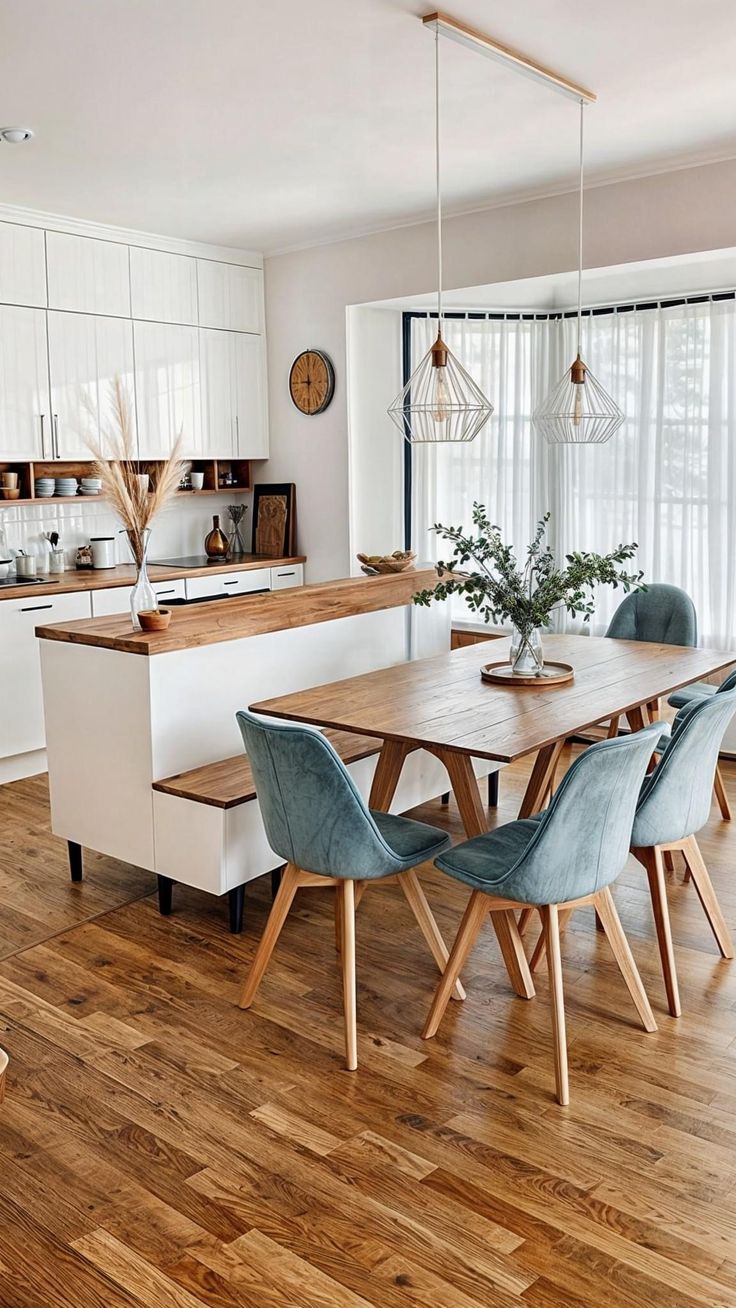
673	806
562	858
662	614
317	822
697	691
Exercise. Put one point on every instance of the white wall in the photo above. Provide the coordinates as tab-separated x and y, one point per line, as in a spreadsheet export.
375	447
308	291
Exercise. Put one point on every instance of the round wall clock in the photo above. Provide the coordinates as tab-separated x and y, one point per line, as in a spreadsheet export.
312	382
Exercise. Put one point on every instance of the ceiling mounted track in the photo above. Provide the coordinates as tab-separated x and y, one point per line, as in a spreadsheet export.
503	54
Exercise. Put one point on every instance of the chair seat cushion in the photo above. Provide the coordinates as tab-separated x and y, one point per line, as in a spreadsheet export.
688	694
411	842
485	861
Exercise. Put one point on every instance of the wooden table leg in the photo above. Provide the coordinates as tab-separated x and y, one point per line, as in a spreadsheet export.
539	782
386	776
636	720
467	795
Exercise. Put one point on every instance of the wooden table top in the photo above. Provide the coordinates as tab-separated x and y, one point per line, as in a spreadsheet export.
442	702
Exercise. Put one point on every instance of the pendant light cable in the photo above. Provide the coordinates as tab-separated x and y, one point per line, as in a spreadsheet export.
580	230
437	172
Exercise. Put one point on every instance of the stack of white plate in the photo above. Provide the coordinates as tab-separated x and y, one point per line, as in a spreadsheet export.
91	486
44	488
66	486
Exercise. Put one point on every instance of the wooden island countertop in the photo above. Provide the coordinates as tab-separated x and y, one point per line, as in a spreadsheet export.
210	623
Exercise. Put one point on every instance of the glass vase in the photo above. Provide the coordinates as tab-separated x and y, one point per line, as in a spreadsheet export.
143	597
526	655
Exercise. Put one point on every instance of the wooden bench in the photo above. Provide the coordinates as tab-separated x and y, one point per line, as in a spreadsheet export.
227	785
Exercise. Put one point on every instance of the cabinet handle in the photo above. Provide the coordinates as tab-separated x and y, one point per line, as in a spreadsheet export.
163	593
33	608
43	436
285	574
230	583
55	436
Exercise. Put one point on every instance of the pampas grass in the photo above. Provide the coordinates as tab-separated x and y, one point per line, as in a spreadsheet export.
118	469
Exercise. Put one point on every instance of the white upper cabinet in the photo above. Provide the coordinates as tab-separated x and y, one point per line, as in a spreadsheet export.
22	265
251	397
168	393
25	425
219	404
163	286
86	352
87	276
230	296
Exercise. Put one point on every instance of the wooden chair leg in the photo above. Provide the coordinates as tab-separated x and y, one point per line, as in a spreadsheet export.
276	919
708	898
425	919
473	919
512	949
653	861
540	949
669	861
719	790
345	895
551	928
616	937
525	918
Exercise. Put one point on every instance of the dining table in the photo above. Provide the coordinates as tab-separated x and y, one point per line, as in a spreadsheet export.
442	705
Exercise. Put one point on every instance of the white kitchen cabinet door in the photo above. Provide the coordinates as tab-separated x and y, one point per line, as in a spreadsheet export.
85	355
168	392
251	396
116	599
219	398
230	296
20	669
22	265
87	276
25	424
163	286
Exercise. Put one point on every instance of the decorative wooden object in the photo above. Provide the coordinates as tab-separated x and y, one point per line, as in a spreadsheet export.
312	382
155	619
502	674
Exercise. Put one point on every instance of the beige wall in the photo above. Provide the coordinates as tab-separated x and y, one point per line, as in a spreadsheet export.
307	293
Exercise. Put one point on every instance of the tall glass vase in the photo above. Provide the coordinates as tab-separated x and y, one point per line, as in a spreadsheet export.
143	596
526	655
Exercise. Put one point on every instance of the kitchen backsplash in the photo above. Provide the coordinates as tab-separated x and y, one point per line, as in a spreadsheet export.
179	530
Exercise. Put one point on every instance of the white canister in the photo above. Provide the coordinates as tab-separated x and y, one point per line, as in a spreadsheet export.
103	551
56	561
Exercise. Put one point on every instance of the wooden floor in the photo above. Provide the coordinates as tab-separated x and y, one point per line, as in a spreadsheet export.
160	1147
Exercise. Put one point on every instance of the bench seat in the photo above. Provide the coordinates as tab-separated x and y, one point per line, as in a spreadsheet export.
229	782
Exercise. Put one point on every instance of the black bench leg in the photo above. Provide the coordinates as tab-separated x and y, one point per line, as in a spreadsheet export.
446	797
276	873
493	789
165	887
236	900
75	860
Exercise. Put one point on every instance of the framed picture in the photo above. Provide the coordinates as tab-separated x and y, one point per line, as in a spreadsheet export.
274	520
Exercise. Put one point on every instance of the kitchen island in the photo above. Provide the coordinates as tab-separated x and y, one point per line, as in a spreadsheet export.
127	713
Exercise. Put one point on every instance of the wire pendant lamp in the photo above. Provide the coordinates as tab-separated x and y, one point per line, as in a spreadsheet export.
579	411
440	401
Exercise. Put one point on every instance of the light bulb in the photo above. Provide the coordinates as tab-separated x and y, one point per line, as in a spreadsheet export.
441	399
577	411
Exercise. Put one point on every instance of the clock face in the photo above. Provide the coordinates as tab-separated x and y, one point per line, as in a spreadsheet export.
311	382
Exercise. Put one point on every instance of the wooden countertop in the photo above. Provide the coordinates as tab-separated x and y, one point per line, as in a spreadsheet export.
210	623
124	575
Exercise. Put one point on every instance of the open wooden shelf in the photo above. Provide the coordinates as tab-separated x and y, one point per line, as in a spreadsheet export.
29	470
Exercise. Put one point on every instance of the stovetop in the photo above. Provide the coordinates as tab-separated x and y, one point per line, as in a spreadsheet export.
200	561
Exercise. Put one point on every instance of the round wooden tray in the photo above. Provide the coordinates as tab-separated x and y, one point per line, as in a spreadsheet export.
553	674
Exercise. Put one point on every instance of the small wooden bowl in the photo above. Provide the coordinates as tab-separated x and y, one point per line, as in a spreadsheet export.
10	492
387	563
154	619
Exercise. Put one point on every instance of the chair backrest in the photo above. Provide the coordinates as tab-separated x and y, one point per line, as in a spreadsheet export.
313	813
583	839
661	613
675	800
728	683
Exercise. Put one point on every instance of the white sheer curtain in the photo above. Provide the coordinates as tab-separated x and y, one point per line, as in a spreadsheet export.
666	479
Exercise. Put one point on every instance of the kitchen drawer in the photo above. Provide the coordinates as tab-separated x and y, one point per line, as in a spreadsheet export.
291	574
22	726
116	599
228	583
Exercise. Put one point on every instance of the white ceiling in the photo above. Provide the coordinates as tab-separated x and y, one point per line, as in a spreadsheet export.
271	125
